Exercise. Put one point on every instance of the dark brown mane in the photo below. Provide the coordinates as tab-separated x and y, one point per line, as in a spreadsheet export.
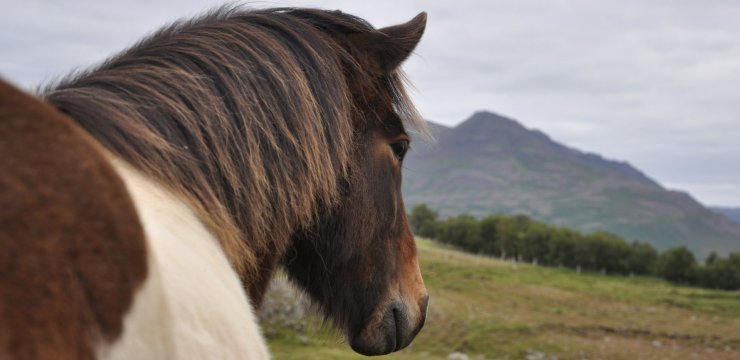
246	114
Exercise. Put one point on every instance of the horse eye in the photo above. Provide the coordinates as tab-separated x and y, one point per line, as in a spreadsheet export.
400	148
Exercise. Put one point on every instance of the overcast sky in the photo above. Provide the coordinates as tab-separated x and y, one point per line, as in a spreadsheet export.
654	83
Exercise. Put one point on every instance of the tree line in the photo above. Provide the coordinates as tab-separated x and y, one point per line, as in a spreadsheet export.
523	239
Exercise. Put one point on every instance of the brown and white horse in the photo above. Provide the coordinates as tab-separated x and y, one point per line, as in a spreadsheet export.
145	204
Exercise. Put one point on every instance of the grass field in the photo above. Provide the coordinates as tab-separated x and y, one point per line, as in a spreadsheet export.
492	309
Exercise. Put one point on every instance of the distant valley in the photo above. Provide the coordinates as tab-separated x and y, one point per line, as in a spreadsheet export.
732	213
492	164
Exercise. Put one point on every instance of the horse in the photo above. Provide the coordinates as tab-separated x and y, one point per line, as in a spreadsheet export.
146	203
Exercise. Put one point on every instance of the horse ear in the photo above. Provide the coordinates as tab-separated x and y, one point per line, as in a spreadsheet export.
391	46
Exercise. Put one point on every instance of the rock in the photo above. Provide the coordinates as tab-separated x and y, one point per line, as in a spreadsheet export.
457	356
304	339
538	355
283	307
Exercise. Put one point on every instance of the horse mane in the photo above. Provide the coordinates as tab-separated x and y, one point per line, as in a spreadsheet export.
247	115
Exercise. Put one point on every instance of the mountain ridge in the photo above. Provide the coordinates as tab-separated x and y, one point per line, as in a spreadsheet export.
493	164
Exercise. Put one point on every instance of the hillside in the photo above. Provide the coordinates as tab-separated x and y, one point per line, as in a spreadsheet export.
491	164
491	309
731	213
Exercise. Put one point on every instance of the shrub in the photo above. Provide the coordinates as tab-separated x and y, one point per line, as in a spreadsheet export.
677	265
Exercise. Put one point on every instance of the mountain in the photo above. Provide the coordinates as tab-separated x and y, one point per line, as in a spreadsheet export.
732	213
492	164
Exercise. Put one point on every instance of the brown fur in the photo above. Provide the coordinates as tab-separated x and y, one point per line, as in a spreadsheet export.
276	126
72	251
247	115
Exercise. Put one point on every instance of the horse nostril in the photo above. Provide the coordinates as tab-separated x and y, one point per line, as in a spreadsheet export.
423	304
398	320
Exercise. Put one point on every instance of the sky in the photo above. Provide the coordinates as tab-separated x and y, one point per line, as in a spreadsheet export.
654	83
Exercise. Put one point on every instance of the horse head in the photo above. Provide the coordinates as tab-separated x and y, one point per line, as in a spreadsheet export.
358	261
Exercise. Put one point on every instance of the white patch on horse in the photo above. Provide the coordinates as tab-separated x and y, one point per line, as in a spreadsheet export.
192	304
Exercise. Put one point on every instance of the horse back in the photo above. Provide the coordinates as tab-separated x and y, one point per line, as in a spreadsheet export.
72	249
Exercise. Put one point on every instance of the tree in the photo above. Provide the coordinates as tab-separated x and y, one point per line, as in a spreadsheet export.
641	259
711	258
463	231
423	220
607	252
490	228
584	253
562	247
512	231
534	246
719	275
677	265
734	259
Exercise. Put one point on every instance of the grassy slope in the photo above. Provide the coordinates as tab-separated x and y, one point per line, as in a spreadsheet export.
493	309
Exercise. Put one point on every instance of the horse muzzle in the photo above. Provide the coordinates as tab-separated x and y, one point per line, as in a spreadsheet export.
396	329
